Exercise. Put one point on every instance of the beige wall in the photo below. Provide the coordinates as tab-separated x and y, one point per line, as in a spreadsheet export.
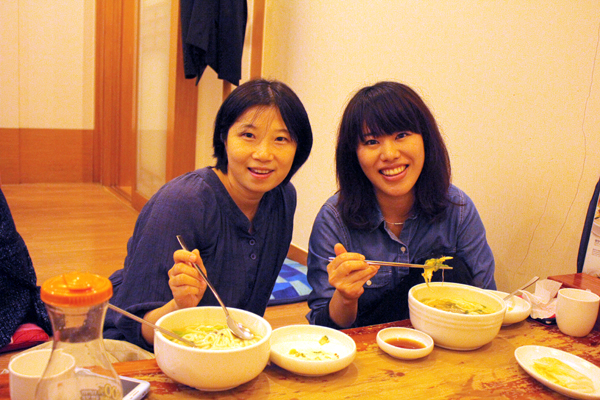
511	83
9	65
47	64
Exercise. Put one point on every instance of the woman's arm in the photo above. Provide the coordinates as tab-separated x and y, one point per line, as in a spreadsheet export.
348	272
145	289
337	285
186	285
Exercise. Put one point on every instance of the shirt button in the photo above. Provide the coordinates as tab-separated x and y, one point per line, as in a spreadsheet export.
369	283
252	242
253	256
403	249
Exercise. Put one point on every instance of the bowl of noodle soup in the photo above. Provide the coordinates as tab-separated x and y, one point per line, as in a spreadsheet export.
221	361
456	316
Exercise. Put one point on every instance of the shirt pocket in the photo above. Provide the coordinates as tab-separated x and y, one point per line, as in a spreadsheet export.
381	279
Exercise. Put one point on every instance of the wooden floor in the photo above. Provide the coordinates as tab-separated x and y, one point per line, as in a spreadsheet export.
85	227
71	227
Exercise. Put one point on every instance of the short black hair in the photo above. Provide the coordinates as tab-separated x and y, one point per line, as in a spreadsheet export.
262	92
383	109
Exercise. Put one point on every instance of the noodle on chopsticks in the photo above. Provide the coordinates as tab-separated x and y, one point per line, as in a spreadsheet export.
431	266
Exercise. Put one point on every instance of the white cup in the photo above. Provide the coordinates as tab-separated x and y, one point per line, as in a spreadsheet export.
576	311
27	368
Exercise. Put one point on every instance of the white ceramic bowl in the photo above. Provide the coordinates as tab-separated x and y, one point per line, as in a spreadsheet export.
211	370
517	308
306	338
451	330
404	333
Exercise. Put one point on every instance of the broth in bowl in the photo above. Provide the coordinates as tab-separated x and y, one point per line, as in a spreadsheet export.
457	305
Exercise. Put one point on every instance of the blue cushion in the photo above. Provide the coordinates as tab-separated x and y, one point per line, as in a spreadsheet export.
291	285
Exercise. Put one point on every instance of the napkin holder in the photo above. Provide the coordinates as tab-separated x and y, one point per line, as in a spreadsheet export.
580	281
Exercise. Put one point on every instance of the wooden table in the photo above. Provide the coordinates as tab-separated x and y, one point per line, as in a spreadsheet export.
489	372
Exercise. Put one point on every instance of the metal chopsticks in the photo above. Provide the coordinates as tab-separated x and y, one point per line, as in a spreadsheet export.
397	264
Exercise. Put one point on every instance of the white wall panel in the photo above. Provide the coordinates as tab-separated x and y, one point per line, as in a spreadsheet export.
47	64
9	64
515	88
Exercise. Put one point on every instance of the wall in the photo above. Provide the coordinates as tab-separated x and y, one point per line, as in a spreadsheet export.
46	90
513	85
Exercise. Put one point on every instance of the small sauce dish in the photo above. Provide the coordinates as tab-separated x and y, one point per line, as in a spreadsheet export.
404	343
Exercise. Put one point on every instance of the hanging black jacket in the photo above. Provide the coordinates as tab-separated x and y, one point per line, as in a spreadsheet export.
212	33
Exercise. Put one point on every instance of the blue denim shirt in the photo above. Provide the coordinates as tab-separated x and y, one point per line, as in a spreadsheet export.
460	234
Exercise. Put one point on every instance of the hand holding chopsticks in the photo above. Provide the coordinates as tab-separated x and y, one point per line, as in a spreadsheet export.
396	264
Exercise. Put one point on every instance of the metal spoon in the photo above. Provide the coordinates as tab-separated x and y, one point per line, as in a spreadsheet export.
237	328
531	282
150	324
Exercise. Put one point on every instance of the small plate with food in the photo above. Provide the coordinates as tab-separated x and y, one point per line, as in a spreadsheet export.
311	350
562	372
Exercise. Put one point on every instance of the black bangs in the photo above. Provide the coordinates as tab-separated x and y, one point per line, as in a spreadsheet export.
384	114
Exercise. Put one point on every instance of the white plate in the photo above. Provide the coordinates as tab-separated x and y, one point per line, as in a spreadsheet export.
517	308
527	355
306	337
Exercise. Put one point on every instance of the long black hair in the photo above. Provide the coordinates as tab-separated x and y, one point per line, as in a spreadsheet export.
261	92
384	109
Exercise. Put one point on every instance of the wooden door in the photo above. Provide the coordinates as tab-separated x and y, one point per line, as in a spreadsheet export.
118	89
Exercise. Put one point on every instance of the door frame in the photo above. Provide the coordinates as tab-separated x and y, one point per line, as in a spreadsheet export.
114	138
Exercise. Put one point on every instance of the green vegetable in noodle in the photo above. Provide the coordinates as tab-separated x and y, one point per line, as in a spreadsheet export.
432	265
457	306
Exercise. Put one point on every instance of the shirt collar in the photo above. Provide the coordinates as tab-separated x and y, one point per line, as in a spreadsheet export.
377	220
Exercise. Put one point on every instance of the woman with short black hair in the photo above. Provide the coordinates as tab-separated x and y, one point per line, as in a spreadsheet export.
238	216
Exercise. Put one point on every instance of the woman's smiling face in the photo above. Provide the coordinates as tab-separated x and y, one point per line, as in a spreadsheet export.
393	163
260	151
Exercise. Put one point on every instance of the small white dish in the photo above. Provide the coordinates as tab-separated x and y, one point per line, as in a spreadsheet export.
307	339
414	335
527	355
517	308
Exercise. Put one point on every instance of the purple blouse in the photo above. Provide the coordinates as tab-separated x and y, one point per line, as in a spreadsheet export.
242	266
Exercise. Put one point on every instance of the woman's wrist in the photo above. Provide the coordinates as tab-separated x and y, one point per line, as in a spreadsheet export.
153	316
342	310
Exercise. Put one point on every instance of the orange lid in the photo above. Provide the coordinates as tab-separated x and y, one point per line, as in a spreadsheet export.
76	289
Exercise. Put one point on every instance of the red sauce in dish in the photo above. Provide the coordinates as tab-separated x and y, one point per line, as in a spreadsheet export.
405	343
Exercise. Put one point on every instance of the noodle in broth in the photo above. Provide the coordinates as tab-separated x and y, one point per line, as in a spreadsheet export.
458	306
213	337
